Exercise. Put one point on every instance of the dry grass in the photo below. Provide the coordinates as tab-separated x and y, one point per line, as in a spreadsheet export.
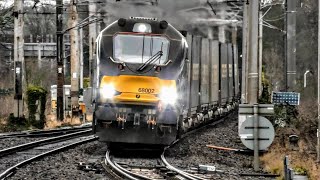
304	158
52	122
89	118
273	160
3	123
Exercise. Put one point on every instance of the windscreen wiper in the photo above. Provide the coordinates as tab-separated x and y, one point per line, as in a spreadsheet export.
151	60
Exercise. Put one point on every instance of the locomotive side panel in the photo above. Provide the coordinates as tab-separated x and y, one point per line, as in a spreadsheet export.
236	75
196	47
214	83
224	74
204	72
189	73
230	72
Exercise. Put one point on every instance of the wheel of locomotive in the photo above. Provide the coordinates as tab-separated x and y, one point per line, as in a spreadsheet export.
180	127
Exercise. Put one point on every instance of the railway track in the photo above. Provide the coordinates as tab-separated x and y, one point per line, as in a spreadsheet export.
160	170
13	158
134	169
163	169
44	133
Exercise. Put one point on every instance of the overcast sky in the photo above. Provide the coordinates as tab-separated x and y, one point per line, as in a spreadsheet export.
177	12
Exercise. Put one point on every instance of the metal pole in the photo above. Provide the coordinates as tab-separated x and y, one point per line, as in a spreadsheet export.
81	56
39	55
291	9
255	137
244	54
18	55
318	137
253	76
260	51
74	59
305	78
222	34
286	167
285	64
92	33
60	76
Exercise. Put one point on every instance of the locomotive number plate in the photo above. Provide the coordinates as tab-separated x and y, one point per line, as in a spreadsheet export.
146	90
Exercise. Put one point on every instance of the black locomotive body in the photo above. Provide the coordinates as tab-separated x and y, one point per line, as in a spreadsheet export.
148	87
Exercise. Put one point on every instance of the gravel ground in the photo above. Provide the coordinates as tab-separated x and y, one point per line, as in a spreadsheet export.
147	162
188	153
10	142
65	165
192	151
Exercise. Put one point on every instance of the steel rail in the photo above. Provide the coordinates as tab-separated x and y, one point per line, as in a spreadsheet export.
132	173
134	176
14	149
12	169
42	132
113	166
182	173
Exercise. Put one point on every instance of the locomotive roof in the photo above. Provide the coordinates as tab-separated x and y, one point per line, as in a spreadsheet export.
158	27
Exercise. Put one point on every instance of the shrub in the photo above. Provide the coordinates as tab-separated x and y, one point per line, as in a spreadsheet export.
36	96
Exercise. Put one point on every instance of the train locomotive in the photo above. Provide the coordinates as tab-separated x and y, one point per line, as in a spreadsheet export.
148	88
138	68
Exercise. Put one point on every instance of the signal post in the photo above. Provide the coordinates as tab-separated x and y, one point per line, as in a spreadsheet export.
60	75
19	71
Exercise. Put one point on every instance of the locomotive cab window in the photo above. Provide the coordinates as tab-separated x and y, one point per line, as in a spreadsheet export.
141	48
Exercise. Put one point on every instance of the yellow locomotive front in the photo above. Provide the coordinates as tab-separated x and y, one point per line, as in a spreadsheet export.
138	79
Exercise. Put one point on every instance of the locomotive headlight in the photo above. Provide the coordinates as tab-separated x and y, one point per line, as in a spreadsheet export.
168	95
142	28
107	91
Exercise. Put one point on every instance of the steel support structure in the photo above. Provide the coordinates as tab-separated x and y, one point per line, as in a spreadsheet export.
60	71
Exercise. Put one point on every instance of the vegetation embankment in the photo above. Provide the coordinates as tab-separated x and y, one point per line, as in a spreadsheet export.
294	120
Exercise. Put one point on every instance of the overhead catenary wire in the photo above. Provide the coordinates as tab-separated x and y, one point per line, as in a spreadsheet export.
277	18
272	26
266	12
272	4
214	12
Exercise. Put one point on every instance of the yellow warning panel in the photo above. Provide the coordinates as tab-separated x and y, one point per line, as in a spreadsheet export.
54	104
82	107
